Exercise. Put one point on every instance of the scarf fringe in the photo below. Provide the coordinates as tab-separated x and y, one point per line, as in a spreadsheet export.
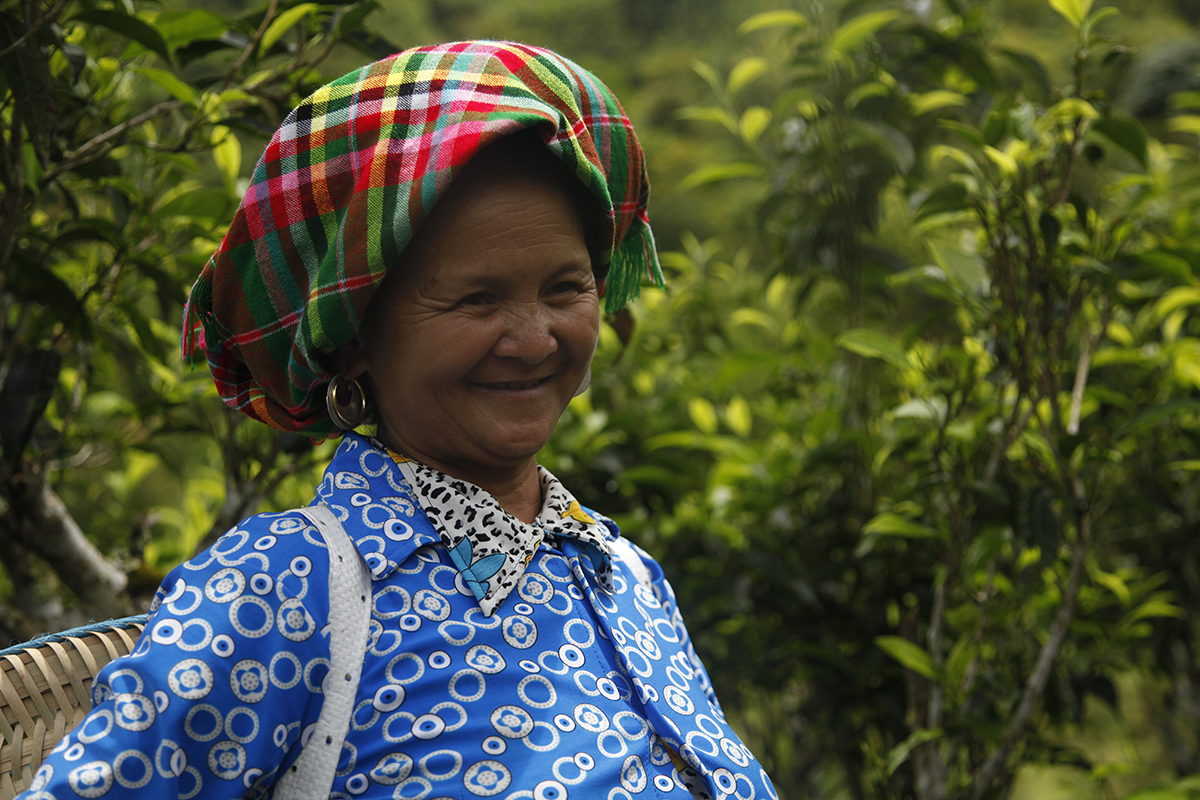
193	346
634	261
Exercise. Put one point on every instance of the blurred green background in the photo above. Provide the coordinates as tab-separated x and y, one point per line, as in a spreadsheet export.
913	428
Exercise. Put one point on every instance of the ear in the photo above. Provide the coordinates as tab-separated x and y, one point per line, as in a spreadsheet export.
351	358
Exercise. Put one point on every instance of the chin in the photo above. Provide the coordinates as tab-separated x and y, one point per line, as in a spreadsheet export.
519	446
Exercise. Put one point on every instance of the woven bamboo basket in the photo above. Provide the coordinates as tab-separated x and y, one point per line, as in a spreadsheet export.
46	690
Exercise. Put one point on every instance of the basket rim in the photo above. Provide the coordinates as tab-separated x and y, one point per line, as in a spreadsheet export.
75	633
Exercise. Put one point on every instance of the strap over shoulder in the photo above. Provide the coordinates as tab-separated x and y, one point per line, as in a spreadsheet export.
625	553
311	776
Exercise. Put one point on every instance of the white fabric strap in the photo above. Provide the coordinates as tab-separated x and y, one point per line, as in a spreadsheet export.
621	549
311	776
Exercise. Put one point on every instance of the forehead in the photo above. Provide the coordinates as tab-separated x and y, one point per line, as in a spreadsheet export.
497	219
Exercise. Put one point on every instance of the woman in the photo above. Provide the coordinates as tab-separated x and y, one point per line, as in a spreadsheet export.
424	246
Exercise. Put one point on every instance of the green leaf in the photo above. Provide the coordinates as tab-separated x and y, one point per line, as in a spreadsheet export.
1072	108
227	154
352	19
284	23
909	654
1095	19
933	408
709	74
855	32
1033	69
1075	11
87	229
754	121
746	72
1179	297
713	173
132	27
947	198
1184	123
1161	793
899	753
1160	412
182	27
964	160
1006	163
871	343
752	316
1169	265
33	168
715	114
890	142
738	415
178	89
1127	134
688	440
1182	100
890	524
34	283
866	91
1152	609
935	100
703	415
774	19
209	204
968	133
1114	584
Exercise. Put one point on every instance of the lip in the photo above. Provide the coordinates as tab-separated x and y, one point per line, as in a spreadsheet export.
518	387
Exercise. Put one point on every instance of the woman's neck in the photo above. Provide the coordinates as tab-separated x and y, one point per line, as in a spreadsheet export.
519	495
517	488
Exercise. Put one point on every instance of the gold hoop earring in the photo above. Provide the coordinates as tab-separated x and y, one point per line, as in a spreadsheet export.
346	402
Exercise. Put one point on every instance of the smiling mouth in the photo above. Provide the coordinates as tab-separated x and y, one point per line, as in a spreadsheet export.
514	386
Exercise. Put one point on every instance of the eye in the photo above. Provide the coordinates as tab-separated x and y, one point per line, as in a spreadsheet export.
565	287
476	299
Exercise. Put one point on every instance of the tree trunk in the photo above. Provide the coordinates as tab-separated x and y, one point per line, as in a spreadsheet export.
41	523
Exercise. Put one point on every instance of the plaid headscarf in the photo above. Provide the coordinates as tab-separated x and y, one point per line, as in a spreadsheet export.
352	174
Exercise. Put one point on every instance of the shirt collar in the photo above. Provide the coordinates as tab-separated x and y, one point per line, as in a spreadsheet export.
492	548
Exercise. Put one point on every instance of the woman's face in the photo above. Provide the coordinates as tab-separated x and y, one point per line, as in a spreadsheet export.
477	341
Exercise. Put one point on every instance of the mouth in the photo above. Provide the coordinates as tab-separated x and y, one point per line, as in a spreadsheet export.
516	386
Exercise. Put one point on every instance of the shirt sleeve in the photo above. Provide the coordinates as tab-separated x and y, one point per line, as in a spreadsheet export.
666	595
221	685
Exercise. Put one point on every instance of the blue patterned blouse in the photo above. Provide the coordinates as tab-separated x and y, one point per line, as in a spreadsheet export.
579	682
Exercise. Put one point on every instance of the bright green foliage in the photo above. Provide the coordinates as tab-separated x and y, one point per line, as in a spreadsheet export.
971	458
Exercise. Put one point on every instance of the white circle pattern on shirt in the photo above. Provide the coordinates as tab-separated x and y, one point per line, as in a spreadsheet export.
589	683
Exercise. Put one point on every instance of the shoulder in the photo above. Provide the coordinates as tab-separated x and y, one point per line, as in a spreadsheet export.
265	560
643	565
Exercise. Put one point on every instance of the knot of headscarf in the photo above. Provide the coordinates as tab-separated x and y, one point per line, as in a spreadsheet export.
349	177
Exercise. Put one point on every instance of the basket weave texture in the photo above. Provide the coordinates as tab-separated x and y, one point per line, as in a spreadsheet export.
45	691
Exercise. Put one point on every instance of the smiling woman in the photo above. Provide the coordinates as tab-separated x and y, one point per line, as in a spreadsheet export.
478	339
437	229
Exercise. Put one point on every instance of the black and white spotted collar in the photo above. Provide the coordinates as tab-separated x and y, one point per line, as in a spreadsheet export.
492	548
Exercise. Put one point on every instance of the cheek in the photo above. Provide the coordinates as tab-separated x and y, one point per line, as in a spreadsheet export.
584	326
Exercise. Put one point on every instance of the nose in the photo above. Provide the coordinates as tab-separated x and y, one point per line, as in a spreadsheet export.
527	333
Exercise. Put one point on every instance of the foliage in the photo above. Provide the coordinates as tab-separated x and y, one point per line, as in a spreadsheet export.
121	161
